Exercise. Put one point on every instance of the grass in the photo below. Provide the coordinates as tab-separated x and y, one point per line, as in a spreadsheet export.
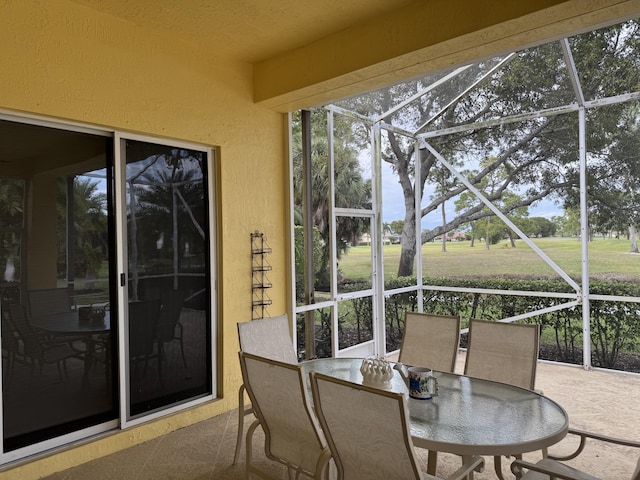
608	259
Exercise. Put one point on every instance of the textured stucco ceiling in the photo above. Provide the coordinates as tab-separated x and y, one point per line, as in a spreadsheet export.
309	52
248	30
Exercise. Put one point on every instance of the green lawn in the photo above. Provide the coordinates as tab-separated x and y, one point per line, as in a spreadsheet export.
608	259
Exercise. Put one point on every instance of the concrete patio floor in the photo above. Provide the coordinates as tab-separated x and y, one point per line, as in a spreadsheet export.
605	402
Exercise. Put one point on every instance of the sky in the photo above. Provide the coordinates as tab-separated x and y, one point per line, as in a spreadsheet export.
393	204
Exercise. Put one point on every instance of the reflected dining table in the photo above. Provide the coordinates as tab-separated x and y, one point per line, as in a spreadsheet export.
469	416
69	323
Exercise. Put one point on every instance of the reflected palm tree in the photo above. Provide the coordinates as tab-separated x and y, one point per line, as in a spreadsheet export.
167	214
11	221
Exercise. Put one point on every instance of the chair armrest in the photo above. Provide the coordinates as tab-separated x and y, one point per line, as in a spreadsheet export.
549	468
475	464
241	407
584	435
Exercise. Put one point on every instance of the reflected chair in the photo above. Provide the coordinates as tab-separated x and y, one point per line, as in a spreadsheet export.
48	301
503	352
10	348
553	467
34	349
265	337
367	430
292	435
430	341
143	318
51	301
168	327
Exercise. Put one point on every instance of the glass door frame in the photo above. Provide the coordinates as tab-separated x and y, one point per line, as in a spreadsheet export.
122	266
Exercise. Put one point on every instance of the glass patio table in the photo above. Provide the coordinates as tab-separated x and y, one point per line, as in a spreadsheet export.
470	416
70	323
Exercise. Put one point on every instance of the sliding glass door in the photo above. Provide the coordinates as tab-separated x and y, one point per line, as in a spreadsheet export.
106	297
56	212
169	324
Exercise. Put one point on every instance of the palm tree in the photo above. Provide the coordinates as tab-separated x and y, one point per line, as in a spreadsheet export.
351	189
11	220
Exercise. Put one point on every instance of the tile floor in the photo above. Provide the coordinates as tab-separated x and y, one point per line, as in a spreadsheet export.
600	401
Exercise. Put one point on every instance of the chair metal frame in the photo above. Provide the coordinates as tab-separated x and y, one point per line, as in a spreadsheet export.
551	466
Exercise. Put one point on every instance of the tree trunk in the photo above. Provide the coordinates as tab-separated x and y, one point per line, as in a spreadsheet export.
473	234
444	222
632	237
408	243
487	236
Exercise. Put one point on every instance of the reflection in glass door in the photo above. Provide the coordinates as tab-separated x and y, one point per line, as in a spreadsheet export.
169	317
56	234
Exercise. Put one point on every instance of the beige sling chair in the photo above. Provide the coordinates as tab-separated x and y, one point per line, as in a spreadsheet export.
367	430
503	352
430	341
292	435
265	337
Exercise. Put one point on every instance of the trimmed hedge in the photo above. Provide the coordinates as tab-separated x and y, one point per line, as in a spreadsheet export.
615	326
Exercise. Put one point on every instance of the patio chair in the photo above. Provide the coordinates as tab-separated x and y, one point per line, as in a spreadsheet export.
48	301
10	348
503	352
34	349
169	327
552	466
430	341
367	430
292	435
143	318
265	337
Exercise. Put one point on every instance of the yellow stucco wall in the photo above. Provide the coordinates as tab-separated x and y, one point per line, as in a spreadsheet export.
62	60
